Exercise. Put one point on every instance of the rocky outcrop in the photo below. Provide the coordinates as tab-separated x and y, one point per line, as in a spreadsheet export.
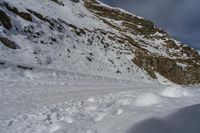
8	43
5	20
14	10
184	73
58	2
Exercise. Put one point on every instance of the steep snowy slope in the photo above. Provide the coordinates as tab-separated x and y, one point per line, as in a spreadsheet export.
49	35
89	37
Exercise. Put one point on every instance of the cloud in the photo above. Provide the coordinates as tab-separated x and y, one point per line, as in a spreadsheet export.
180	18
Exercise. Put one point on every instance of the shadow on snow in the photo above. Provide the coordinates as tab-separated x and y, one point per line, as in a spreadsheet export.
186	120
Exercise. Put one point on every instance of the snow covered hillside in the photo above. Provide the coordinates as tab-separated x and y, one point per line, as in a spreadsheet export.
80	66
60	38
88	37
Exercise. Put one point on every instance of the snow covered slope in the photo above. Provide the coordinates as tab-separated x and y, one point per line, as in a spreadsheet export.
88	37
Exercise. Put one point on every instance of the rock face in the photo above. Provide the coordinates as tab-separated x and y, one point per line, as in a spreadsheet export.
187	73
5	20
8	43
89	36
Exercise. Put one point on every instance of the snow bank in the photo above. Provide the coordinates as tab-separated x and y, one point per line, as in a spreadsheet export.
175	92
147	99
88	109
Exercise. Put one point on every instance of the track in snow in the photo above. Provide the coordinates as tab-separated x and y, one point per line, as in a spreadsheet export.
90	105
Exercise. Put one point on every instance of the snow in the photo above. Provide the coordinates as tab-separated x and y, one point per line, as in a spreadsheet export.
90	104
175	92
184	66
147	99
119	111
184	120
67	93
70	51
1	30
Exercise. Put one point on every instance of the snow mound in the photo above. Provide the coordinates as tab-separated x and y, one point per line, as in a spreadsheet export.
119	111
147	99
175	92
91	99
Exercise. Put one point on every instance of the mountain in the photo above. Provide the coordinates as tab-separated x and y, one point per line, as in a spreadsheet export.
87	36
83	67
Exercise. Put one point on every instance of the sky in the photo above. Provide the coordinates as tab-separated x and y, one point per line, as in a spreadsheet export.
180	18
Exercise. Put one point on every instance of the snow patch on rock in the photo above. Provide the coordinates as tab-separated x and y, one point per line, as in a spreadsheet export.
163	80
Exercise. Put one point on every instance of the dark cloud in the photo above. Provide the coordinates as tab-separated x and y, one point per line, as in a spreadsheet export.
180	18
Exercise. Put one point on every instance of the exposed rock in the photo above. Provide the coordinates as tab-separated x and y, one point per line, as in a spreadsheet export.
8	43
2	63
75	1
5	20
169	68
41	17
24	67
59	2
23	15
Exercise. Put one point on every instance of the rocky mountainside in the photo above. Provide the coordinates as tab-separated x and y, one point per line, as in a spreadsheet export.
88	36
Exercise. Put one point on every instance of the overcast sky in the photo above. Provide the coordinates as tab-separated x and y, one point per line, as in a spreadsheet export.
180	18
